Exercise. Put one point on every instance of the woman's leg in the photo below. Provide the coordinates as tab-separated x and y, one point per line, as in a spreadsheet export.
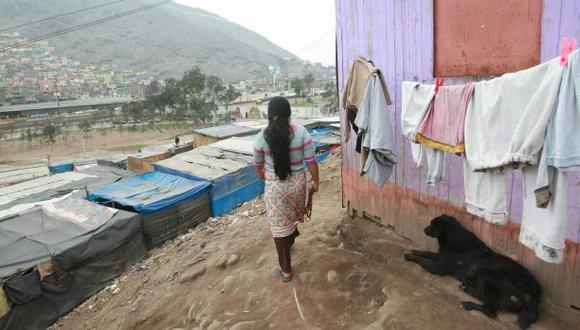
283	245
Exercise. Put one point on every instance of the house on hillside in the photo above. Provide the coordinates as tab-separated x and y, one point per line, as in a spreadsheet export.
461	41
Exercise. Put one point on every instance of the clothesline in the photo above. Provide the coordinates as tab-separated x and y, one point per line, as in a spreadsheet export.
528	120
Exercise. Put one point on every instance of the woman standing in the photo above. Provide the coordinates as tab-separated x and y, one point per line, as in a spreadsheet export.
280	151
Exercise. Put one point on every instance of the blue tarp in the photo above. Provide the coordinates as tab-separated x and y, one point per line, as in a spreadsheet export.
150	192
232	175
319	133
61	167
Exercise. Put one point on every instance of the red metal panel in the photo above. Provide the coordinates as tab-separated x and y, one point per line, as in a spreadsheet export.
483	37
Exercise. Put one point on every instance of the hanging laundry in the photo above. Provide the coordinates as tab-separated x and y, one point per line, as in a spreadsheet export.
377	133
416	101
562	143
485	194
506	121
356	86
442	128
543	230
433	159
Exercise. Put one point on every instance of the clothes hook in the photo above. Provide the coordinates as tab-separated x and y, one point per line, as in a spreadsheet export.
566	47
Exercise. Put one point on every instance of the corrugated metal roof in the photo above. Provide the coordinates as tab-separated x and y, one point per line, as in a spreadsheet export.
226	131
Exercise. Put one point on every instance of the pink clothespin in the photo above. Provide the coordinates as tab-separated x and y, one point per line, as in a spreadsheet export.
566	47
438	83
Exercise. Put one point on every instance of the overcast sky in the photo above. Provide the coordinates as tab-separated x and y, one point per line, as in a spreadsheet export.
304	27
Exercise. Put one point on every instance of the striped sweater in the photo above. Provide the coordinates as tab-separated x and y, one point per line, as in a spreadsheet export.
301	150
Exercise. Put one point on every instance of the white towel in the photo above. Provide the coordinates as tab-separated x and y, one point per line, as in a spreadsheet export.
485	194
506	122
544	230
416	99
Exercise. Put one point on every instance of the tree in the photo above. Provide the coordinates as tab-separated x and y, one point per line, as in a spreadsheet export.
49	133
229	95
298	86
329	90
214	86
153	89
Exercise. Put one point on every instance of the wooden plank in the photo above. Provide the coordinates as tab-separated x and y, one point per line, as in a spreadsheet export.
500	239
562	285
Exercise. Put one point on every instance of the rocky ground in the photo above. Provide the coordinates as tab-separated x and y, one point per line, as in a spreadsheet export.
349	273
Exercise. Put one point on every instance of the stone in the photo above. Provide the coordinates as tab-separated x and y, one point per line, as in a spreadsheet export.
215	325
244	325
232	260
190	312
261	260
221	263
253	300
192	275
332	277
229	284
245	276
204	323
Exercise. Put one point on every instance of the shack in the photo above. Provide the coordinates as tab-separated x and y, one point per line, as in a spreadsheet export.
10	176
143	161
49	187
170	205
231	173
209	135
419	41
58	254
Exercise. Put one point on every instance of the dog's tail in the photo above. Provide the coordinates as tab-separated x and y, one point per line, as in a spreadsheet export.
530	310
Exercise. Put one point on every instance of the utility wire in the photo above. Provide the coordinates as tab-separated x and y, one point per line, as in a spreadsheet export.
60	15
85	25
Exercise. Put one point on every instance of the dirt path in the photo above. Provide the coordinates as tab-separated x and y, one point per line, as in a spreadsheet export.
349	273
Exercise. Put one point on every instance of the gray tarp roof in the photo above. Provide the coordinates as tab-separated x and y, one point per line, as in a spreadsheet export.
36	235
58	185
207	162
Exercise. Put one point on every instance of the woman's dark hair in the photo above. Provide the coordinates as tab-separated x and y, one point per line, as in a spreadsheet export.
278	135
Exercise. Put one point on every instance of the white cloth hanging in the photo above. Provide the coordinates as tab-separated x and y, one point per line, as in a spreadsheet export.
485	194
506	122
562	143
544	229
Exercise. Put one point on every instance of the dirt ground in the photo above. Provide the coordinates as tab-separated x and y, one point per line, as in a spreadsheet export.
77	145
349	274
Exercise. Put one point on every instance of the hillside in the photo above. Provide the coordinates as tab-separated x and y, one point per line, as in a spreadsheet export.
349	274
167	40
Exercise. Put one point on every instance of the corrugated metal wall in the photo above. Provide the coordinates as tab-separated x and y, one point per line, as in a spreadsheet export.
398	36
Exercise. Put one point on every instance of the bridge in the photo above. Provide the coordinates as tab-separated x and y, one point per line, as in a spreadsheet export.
53	108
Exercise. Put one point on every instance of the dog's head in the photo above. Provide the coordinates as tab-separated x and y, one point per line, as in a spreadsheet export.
440	225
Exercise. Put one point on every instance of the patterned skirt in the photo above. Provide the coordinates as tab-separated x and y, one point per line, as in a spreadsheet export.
285	202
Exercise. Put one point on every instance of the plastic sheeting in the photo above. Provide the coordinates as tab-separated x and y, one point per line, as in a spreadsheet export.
232	175
60	294
84	259
42	188
35	236
58	185
61	167
149	192
13	176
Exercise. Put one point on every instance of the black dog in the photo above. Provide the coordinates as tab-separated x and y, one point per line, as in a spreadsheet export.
498	281
457	246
